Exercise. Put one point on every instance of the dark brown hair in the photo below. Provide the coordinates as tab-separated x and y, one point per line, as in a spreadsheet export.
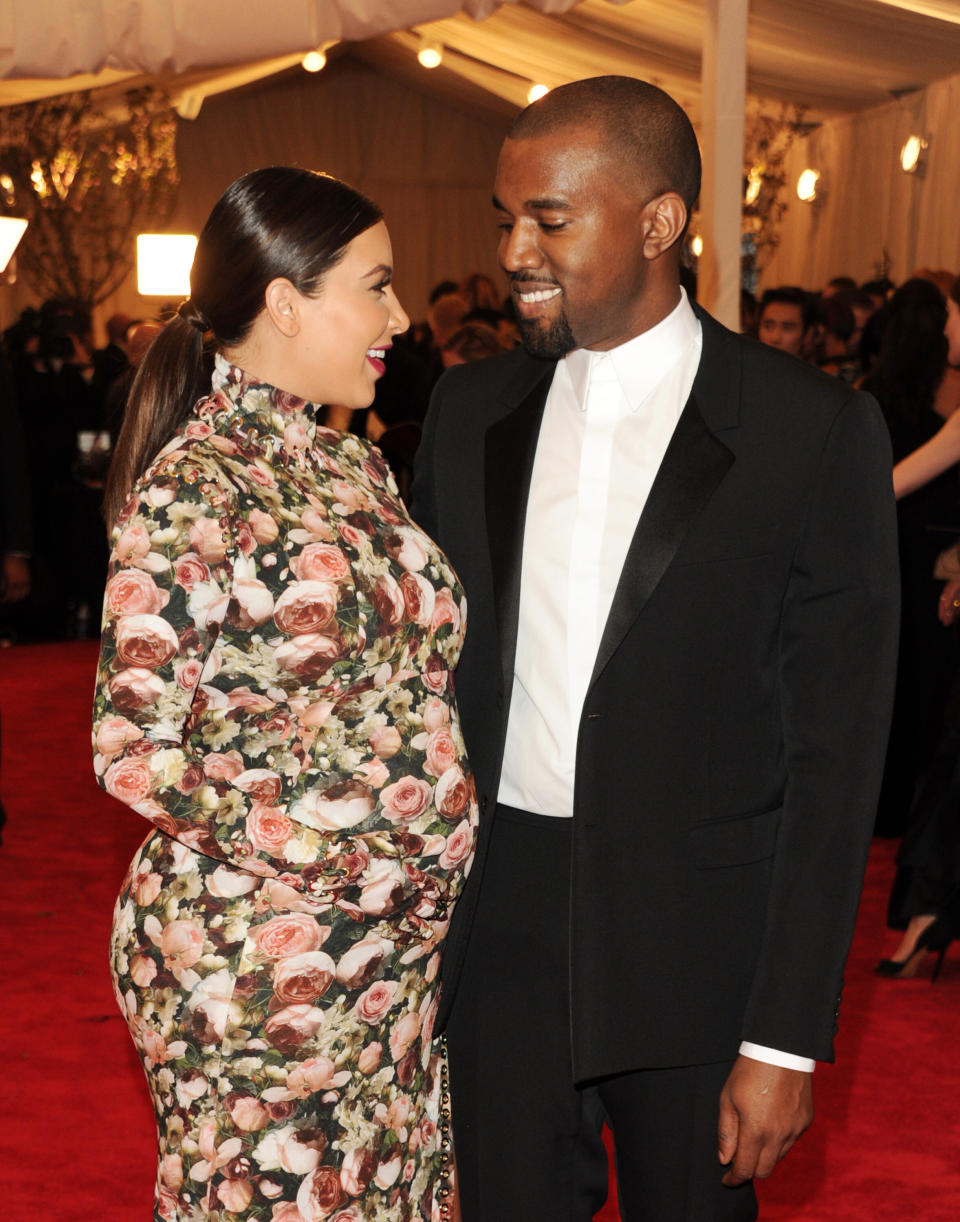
276	222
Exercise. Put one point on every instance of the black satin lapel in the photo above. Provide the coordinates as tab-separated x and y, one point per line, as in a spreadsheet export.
693	466
511	445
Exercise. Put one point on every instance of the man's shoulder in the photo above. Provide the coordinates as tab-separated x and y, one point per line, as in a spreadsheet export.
504	378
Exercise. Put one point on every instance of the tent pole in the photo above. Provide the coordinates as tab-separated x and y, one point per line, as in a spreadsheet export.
723	80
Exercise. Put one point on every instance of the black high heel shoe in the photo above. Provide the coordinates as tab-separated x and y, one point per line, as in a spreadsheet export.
935	937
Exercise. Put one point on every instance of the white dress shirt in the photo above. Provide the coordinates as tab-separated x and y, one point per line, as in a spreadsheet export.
607	422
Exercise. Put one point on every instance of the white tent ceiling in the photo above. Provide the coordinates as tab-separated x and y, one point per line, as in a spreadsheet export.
832	56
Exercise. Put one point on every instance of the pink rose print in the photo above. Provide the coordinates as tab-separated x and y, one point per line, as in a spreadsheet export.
208	541
188	569
357	1170
445	611
133	543
403	1034
436	713
288	1028
263	527
320	562
370	1057
340	806
252	604
419	597
116	733
268	829
134	592
452	793
145	641
435	673
459	846
303	978
306	607
128	779
223	767
135	688
247	1113
261	783
388	601
320	1194
181	944
375	1002
441	752
406	799
358	966
308	656
406	546
285	936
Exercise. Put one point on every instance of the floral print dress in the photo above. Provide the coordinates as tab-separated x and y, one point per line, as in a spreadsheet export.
275	695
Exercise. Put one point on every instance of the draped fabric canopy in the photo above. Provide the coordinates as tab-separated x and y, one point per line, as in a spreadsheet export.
832	56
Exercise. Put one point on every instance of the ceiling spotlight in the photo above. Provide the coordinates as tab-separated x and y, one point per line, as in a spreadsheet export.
696	245
912	154
314	61
163	264
536	92
430	54
808	186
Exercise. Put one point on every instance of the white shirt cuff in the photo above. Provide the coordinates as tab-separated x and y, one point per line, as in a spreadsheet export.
773	1056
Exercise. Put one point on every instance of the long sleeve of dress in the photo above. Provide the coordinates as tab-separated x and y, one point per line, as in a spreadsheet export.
274	685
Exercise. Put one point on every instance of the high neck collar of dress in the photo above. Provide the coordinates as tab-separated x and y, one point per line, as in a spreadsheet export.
292	420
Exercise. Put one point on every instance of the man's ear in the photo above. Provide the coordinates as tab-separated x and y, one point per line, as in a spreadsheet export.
664	219
282	304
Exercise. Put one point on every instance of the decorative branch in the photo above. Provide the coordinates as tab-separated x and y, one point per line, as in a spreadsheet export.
87	183
767	139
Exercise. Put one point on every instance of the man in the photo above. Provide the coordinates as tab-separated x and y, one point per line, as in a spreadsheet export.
679	552
787	320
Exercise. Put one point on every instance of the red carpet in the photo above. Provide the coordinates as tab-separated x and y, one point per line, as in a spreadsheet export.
76	1132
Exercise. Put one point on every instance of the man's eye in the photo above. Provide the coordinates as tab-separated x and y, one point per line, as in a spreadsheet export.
549	227
505	226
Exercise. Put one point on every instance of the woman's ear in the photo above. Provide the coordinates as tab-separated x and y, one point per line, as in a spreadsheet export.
664	219
282	304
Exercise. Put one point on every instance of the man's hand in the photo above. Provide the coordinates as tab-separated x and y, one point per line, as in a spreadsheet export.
763	1110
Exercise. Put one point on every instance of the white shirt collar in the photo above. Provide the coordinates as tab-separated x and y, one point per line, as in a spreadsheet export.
642	362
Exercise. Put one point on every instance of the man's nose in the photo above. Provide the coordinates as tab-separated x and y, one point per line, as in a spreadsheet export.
518	250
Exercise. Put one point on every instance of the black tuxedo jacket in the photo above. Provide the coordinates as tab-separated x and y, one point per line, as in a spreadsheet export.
732	736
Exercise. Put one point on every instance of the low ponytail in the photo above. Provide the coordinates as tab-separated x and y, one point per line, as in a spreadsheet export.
172	376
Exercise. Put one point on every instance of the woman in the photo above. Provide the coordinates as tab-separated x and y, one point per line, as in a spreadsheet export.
275	696
925	899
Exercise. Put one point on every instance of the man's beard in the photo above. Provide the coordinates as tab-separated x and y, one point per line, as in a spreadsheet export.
547	343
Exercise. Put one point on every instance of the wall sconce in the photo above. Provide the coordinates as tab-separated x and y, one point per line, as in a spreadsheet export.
913	154
536	92
754	183
12	229
430	54
696	245
163	264
809	186
314	61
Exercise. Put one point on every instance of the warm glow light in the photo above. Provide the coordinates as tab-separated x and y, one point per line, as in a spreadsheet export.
12	229
430	54
536	92
912	153
163	264
807	185
314	61
696	245
754	183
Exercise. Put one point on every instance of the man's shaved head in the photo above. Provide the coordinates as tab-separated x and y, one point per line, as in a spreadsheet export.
647	133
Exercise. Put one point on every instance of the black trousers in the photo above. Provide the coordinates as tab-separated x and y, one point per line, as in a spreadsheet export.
528	1142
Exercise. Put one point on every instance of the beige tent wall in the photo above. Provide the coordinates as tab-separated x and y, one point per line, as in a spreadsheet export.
429	166
871	205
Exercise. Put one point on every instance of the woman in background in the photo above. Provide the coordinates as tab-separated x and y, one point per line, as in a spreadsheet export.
275	695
